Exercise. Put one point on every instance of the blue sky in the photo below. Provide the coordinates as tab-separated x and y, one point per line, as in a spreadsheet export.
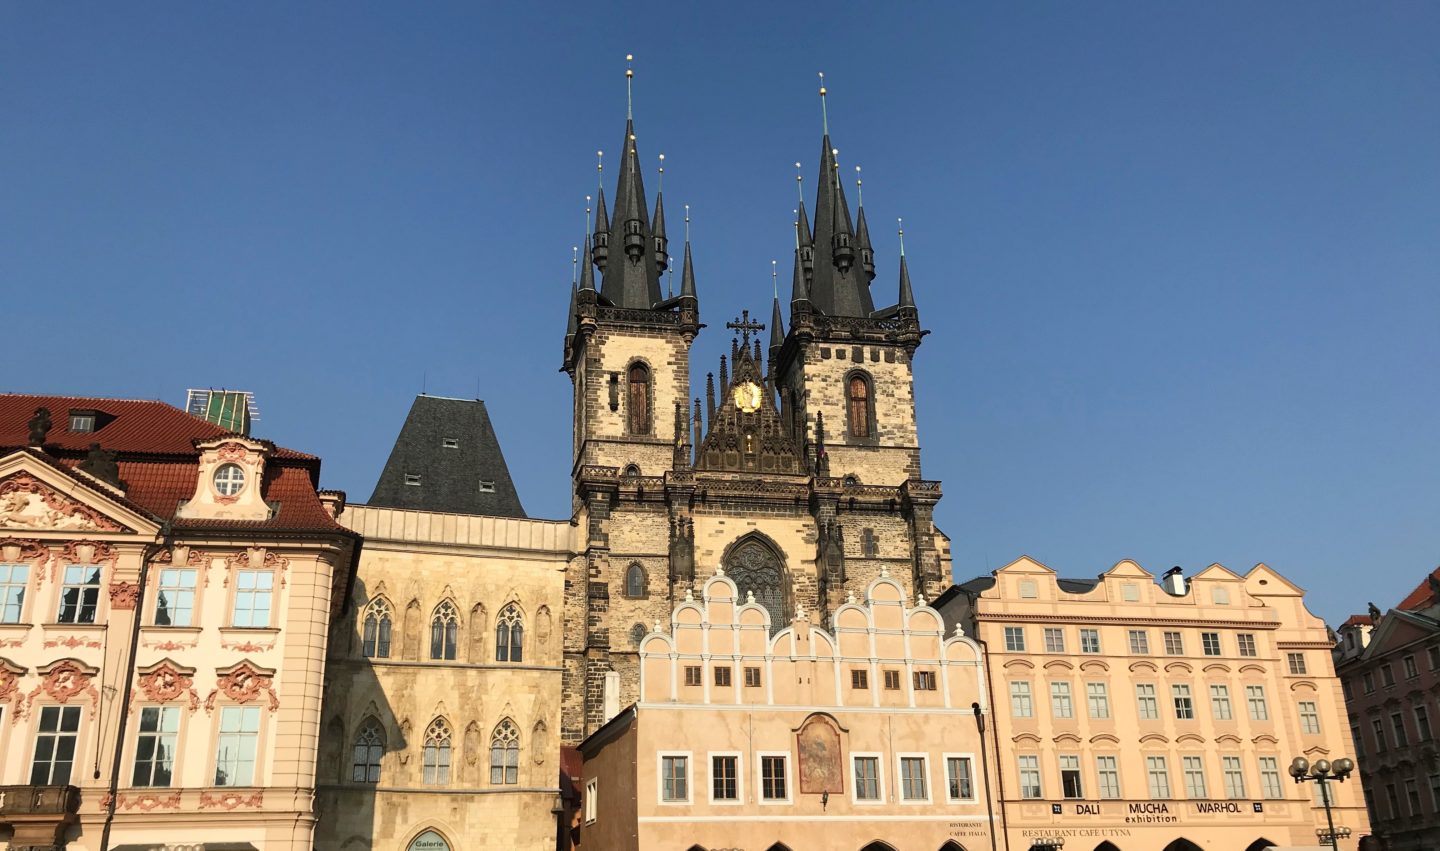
1180	262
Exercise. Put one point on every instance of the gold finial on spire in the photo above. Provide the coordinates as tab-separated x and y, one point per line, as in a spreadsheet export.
775	277
687	222
629	75
799	185
670	281
796	213
902	236
824	114
859	192
599	169
587	214
662	173
575	261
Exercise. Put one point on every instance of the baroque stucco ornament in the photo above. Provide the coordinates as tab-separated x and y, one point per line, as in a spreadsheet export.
64	680
243	684
167	683
28	503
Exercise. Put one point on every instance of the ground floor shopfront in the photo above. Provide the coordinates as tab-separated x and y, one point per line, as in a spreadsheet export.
1170	825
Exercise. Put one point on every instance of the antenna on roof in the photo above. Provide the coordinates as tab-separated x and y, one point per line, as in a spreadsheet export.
629	75
824	114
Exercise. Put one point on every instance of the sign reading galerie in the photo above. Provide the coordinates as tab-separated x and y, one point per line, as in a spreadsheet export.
429	841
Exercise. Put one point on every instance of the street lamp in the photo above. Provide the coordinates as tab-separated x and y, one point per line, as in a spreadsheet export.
1328	836
1048	842
1324	771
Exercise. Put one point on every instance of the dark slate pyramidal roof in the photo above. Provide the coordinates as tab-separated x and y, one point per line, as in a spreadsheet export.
448	459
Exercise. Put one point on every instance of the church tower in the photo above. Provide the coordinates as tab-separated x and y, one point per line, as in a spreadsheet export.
797	474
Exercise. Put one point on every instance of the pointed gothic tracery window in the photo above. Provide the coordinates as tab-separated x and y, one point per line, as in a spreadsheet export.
369	746
444	628
639	399
635	585
859	409
505	754
437	753
509	635
755	568
375	641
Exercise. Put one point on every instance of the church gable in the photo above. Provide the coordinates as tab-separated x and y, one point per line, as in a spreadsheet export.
747	433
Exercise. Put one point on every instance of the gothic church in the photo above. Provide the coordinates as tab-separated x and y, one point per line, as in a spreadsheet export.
798	474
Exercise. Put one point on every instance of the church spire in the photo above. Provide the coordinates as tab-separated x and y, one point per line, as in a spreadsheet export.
631	281
587	267
862	232
687	272
657	224
907	295
602	218
837	286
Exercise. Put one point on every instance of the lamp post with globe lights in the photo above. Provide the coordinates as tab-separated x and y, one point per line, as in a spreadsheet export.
1322	772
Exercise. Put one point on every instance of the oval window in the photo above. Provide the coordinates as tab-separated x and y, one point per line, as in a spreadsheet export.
229	480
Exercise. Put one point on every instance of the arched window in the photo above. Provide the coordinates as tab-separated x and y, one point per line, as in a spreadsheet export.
509	635
639	399
859	410
505	754
437	753
755	568
632	471
369	745
375	642
444	628
635	585
638	633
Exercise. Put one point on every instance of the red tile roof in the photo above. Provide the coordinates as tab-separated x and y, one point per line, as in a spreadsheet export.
1422	597
158	460
1357	620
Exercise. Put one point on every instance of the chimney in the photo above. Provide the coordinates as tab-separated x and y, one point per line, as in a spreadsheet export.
1174	581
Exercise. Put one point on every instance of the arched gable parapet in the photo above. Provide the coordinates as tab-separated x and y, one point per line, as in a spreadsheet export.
752	614
719	587
1190	739
1058	665
1025	737
1018	664
656	644
1094	665
1104	738
1181	667
1153	738
924	620
851	610
1144	665
1303	685
885	589
822	643
688	613
1216	668
963	641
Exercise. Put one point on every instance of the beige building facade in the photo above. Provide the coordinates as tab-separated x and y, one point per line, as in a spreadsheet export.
1136	716
836	737
442	704
166	590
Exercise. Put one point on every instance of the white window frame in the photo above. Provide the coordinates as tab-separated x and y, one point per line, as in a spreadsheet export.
1097	698
760	757
974	780
1232	771
1091	633
1192	766
1152	712
7	588
879	778
1022	696
1014	632
412	480
1210	644
257	778
1020	770
739	778
1057	645
193	588
1164	774
1270	769
1140	647
271	594
924	777
1061	768
592	791
1062	701
1220	706
1100	773
660	778
175	737
1309	718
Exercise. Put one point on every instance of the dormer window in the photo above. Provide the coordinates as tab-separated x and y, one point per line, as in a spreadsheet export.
487	486
229	480
82	421
412	479
449	443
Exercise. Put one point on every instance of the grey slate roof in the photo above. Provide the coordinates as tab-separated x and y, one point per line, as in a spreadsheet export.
450	479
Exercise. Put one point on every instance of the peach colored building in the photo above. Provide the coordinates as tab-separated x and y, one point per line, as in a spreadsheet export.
164	603
816	739
1135	716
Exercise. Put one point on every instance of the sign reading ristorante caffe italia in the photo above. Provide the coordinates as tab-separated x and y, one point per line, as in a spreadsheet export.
1155	812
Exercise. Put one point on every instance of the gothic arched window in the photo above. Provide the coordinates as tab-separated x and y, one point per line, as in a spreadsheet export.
638	399
859	412
444	629
375	642
635	585
509	635
437	753
638	633
505	754
369	746
756	568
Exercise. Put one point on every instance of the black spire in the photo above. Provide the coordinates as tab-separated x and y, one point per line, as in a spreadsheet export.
907	296
798	289
634	280
602	232
862	242
687	275
587	269
777	330
571	323
837	286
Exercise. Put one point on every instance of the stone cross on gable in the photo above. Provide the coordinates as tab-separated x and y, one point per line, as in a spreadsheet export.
745	326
